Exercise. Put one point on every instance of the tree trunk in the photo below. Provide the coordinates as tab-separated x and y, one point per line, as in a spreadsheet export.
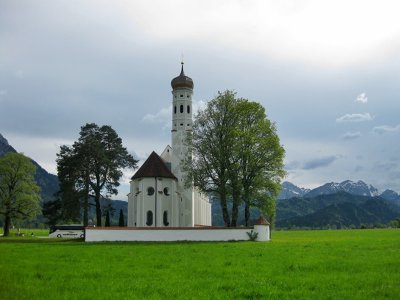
236	200
6	227
98	208
85	210
235	212
86	205
224	207
235	209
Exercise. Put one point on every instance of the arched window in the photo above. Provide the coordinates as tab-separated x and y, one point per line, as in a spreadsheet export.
149	218
181	108
188	109
175	109
150	191
166	191
165	218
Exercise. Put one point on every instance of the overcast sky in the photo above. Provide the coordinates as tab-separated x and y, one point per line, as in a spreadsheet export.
328	73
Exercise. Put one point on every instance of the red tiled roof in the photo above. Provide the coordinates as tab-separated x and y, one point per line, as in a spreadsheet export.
154	166
262	221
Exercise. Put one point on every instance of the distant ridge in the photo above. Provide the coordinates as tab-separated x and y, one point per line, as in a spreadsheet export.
339	210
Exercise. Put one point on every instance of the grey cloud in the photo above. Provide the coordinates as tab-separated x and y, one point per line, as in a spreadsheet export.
292	165
319	162
385	166
358	168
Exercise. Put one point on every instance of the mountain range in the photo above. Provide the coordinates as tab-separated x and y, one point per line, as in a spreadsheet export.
360	188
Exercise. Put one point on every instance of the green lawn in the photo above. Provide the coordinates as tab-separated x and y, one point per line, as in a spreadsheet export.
341	264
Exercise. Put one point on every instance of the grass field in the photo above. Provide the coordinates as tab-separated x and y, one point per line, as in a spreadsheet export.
341	264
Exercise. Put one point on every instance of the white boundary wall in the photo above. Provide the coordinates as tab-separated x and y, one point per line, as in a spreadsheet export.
174	234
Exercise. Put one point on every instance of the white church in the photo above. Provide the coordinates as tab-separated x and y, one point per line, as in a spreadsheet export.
158	197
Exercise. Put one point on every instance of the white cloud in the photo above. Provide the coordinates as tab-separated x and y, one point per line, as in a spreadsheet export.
162	116
386	129
362	98
351	135
354	118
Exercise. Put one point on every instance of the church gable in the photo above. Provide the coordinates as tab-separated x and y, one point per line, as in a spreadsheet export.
154	166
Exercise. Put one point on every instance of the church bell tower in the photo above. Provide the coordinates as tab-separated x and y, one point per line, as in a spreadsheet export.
182	91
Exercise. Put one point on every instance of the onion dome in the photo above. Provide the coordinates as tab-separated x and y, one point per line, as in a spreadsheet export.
182	81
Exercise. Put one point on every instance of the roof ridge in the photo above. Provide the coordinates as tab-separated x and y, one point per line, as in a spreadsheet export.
154	166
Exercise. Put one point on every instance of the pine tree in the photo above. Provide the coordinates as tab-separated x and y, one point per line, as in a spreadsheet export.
107	224
121	218
92	165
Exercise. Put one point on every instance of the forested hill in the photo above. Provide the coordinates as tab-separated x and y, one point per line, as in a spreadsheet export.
48	182
335	211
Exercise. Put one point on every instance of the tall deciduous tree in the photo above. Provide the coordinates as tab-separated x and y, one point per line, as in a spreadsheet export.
259	155
19	193
236	154
94	164
210	148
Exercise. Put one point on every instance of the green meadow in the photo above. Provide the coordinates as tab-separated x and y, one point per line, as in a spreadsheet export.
331	264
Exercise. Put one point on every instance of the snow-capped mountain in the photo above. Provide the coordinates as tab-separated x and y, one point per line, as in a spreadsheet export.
355	188
289	190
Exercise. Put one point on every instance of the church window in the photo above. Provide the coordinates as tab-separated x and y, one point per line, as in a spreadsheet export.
174	109
181	96
149	218
166	191
181	108
187	96
181	124
188	109
165	218
150	191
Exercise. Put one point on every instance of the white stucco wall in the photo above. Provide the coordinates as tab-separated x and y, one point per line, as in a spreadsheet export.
139	202
169	235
